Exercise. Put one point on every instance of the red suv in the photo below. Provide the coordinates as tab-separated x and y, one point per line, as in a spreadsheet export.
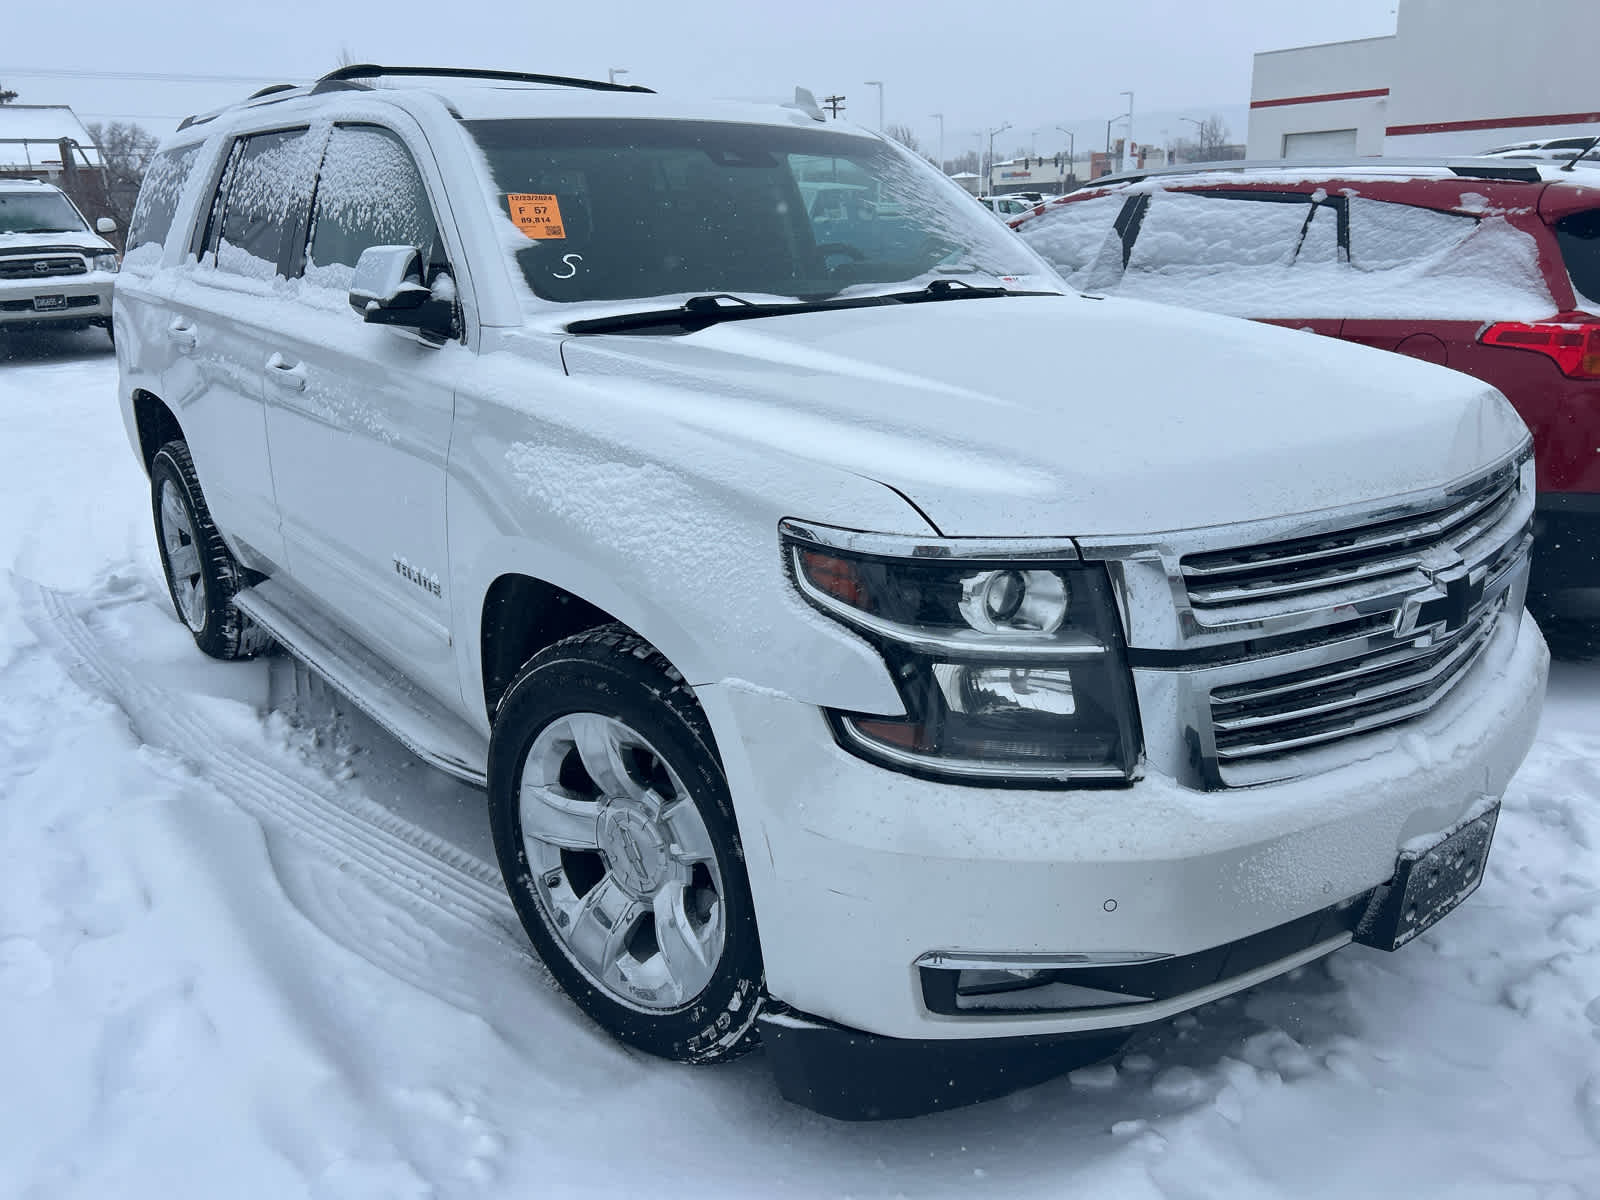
1488	267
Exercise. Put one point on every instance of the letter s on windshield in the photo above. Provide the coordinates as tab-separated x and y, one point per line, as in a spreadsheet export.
570	261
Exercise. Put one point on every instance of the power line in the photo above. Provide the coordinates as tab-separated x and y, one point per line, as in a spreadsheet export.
142	76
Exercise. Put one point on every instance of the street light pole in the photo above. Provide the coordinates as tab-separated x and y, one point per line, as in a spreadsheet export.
940	118
1072	154
988	178
1129	95
1198	127
878	83
613	72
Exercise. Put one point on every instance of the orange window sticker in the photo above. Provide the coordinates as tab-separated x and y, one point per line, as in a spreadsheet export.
536	214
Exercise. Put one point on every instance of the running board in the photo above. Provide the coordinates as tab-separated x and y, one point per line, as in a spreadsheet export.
418	722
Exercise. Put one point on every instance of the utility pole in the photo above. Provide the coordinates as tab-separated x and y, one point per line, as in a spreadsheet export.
940	118
878	83
834	104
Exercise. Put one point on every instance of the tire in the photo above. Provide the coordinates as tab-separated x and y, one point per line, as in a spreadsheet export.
630	882
201	584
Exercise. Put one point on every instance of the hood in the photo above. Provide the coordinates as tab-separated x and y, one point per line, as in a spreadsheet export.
78	239
1051	416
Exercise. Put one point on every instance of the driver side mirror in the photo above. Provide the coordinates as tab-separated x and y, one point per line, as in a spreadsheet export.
105	225
388	290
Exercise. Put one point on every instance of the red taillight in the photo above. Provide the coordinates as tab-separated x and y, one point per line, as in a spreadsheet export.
1575	347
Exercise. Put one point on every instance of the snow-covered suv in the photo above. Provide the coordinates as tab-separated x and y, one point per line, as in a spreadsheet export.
838	673
55	272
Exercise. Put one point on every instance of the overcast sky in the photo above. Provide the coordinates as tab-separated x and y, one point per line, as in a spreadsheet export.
1034	63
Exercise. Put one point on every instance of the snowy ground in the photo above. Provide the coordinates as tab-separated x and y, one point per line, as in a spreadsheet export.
249	949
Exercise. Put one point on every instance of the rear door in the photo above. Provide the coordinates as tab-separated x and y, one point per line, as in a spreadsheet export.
219	320
360	415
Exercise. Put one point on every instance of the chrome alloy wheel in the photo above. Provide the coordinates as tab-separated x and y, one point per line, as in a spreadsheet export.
183	557
622	863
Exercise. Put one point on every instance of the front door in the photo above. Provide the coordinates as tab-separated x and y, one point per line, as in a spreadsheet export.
360	416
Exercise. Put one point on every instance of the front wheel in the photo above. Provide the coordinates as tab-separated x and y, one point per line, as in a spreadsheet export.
616	836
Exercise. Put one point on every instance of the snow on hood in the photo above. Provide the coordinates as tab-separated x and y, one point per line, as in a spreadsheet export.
78	239
1046	416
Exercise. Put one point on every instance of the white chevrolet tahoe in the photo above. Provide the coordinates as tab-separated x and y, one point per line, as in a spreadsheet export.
55	273
866	644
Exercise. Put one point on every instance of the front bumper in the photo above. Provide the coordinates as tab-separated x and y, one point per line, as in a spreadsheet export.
85	298
859	872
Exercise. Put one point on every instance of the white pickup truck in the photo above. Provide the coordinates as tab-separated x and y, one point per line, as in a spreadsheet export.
867	645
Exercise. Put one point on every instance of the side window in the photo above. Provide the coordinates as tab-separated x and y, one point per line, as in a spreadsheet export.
158	199
1579	238
369	193
266	186
1078	239
1384	236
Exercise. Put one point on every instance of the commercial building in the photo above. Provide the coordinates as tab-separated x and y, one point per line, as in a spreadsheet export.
1456	77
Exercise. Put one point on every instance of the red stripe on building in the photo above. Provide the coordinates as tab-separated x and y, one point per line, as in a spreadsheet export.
1366	95
1588	118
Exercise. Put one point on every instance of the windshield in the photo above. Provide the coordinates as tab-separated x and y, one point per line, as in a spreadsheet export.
623	209
38	212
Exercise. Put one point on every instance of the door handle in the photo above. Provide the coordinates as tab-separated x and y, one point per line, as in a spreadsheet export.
286	374
182	334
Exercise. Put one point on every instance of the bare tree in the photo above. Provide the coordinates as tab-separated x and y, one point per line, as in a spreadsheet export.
6	94
965	161
1213	135
905	136
126	150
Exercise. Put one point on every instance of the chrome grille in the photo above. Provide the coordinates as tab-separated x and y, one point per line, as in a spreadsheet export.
1273	716
45	267
1350	565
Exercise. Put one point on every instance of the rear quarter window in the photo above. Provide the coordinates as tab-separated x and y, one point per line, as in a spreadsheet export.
1579	238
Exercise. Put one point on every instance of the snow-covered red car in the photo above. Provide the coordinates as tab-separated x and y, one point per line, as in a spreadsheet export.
1485	266
836	676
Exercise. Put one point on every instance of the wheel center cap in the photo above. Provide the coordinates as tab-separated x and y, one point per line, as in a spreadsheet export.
634	852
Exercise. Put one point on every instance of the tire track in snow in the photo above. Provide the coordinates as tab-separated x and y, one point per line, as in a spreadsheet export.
348	828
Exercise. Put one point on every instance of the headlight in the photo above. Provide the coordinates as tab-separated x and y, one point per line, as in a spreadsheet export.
105	262
1011	666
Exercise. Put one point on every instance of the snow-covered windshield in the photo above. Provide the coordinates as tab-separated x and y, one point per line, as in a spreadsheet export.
625	209
38	212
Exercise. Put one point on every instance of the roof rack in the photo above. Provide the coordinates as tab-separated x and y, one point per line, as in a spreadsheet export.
371	70
1470	168
343	78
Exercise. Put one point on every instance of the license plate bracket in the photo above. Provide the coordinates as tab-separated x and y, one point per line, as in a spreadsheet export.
1428	884
49	303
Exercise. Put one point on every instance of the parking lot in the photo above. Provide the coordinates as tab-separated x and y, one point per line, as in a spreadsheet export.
248	944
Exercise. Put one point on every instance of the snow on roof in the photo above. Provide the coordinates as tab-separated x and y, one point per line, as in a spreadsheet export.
29	133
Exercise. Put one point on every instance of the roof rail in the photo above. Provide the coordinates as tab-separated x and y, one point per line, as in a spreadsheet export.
1467	167
344	74
343	78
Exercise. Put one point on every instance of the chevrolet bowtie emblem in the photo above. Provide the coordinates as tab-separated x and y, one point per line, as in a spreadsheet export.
1445	606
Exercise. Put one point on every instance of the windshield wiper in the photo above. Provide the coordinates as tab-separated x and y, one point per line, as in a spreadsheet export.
47	229
701	312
